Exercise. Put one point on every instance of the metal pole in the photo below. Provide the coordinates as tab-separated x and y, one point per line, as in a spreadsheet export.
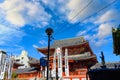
49	31
48	57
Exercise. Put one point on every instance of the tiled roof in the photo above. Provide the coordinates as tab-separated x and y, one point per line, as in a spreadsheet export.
18	64
79	56
33	60
85	55
108	65
2	52
26	70
67	42
72	57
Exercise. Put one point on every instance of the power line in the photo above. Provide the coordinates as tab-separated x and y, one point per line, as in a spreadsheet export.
73	16
99	10
69	27
76	15
81	10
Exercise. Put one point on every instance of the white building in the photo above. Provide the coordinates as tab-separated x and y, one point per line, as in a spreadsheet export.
23	59
2	56
3	63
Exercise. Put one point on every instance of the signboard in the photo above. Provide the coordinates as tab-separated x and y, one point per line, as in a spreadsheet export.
43	62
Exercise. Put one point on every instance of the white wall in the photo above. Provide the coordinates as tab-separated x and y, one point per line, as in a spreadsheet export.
23	59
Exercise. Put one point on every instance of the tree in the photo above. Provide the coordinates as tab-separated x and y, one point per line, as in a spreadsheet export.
14	75
116	40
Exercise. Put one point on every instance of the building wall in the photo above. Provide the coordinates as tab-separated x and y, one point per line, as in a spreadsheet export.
29	76
77	67
23	59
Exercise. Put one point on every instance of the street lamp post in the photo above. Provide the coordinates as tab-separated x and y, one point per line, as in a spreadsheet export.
49	31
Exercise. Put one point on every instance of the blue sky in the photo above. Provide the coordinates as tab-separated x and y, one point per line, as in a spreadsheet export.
23	24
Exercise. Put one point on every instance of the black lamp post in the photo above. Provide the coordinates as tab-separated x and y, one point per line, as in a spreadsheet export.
49	31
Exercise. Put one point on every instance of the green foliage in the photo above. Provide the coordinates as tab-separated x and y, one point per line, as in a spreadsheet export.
5	75
116	40
14	75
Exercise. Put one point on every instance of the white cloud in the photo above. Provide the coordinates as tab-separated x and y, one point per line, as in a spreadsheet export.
99	42
104	30
52	3
18	21
110	15
12	49
43	42
21	12
95	41
97	36
35	46
74	8
104	23
10	35
79	9
46	1
89	37
100	36
81	33
61	8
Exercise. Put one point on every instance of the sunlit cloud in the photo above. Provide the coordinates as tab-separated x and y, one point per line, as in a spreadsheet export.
22	12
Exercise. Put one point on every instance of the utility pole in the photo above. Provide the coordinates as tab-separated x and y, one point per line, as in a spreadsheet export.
49	31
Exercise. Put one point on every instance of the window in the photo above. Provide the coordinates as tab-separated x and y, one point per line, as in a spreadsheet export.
17	60
22	57
21	61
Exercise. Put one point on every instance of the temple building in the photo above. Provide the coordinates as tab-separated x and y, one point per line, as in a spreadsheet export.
20	67
23	58
69	59
26	67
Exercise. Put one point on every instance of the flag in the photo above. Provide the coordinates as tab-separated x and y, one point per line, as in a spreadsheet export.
54	66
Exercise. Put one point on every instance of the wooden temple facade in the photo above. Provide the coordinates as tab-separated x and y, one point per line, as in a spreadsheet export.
80	57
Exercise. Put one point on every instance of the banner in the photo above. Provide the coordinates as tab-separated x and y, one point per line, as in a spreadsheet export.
45	71
66	63
54	66
59	56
